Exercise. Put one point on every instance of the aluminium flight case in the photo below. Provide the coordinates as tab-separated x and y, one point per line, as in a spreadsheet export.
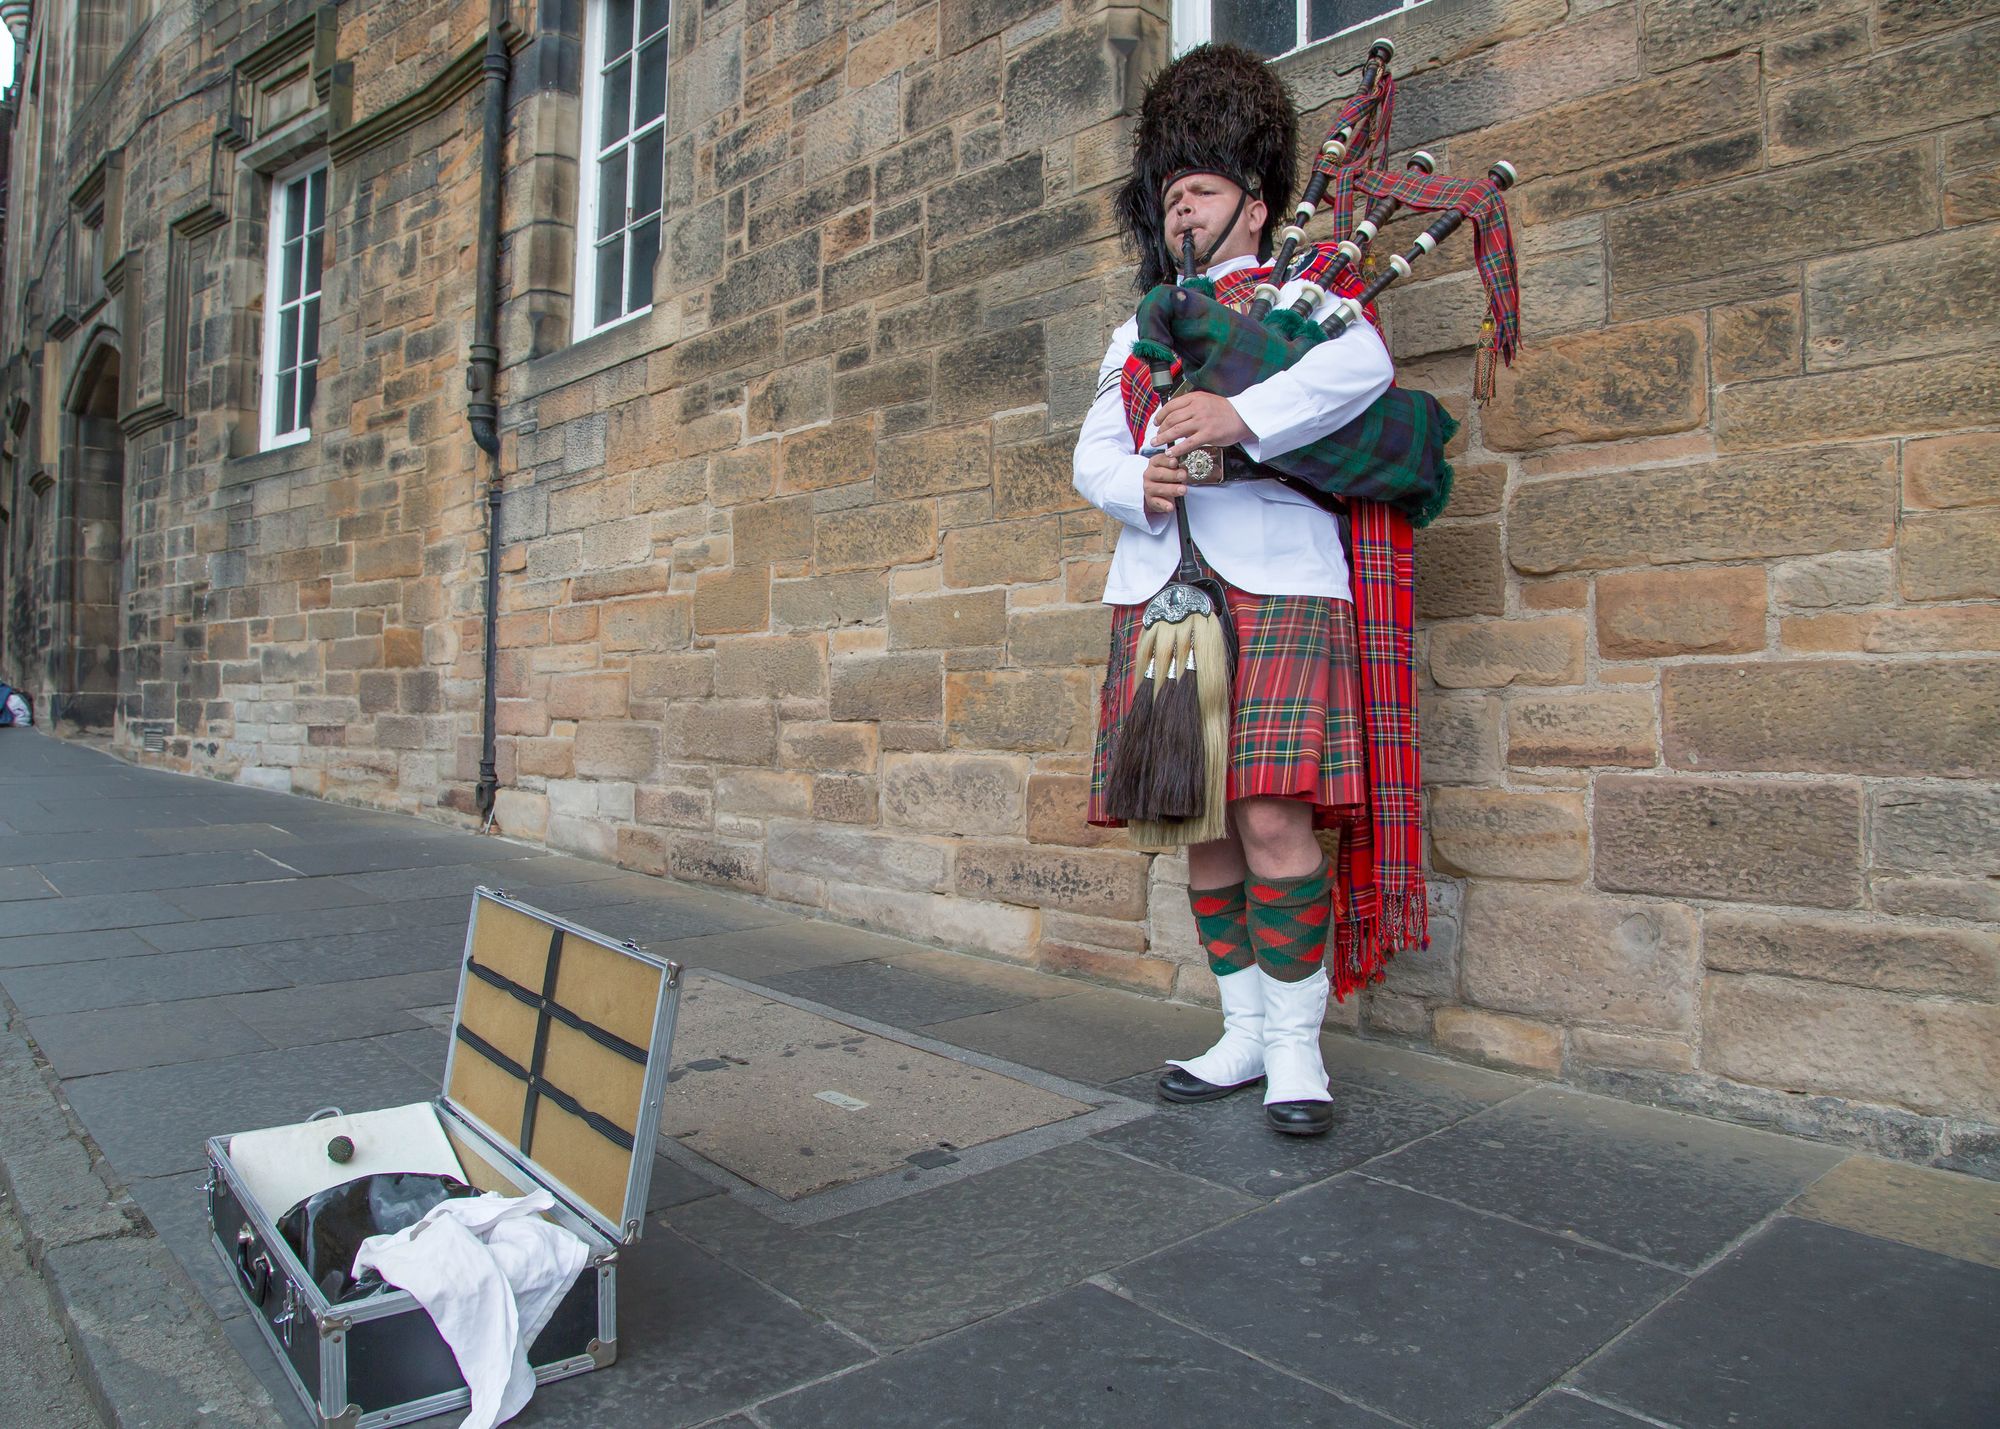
560	1044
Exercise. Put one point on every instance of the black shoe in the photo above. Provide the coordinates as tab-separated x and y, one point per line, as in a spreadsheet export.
1181	1085
1300	1118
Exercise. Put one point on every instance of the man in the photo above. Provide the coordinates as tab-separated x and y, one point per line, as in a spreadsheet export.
1214	160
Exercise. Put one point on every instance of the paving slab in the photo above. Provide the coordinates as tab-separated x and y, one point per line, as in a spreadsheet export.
56	1190
345	957
1084	1359
1565	1409
342	1011
123	1039
1229	1142
125	982
177	1208
1665	1185
87	915
1813	1324
762	953
1089	1035
153	1122
212	838
930	1262
883	992
660	919
39	1384
797	1104
1944	1211
61	816
19	850
198	931
1435	1314
1380	1067
696	1339
289	895
159	871
19	884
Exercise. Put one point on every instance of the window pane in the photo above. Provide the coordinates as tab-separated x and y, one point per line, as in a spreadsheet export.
645	248
649	172
288	393
652	82
316	204
309	331
295	208
288	339
652	17
1260	25
1330	17
611	194
614	115
610	280
308	385
288	268
617	28
315	257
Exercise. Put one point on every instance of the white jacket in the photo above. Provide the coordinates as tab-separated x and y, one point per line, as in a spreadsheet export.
1260	536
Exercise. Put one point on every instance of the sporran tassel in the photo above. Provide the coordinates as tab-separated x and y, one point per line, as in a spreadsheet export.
1485	363
1125	783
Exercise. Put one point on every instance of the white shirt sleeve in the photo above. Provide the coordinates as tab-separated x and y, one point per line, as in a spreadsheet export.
1107	472
1322	392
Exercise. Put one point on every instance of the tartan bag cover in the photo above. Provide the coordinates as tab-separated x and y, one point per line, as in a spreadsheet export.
1382	896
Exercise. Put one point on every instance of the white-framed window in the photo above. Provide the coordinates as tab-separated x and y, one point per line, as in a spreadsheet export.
624	168
1275	27
294	258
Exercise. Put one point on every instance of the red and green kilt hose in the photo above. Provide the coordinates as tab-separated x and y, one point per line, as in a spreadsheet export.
1295	727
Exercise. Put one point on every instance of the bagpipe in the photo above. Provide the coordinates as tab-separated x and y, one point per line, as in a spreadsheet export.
1169	765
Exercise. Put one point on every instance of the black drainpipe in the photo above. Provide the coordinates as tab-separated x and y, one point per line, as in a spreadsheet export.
482	374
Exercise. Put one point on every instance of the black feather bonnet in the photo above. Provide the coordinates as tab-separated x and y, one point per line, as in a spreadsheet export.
1218	109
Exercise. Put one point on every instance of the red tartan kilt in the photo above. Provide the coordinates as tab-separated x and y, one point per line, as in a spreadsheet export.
1295	731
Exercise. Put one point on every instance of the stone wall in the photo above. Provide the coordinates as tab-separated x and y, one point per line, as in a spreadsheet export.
797	597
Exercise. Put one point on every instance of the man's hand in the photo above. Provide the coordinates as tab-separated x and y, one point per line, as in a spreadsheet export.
1165	482
1199	419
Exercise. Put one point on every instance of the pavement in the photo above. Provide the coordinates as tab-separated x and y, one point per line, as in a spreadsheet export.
182	958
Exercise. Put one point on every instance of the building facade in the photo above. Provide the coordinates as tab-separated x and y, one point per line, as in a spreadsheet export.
797	308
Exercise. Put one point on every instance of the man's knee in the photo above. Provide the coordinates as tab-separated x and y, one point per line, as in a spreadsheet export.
1273	825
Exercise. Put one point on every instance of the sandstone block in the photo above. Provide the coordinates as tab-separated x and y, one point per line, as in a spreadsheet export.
1115	933
1478	490
1839	578
868	537
1976	899
857	598
1003	552
655	622
1752	841
832	455
1937	1057
993	372
947	919
770	668
729	602
1484	85
1926	394
1035	477
1154	976
1952	471
844	799
1914	299
1677	33
1594	1048
1579	957
1937	718
1100	883
1509	1042
1601	727
1777	216
1546	651
586	697
934	462
1729	509
616	751
1921	829
1713	611
766	531
1492	833
1670	170
1947	629
1019	709
951	621
877	687
874	272
1635	380
676	807
761	792
1755	339
1460	571
389	557
1892	957
673	677
723	732
701	859
847	856
1459	738
786	399
1951	555
1973	197
848	748
1065	636
1057	808
1841	111
954	793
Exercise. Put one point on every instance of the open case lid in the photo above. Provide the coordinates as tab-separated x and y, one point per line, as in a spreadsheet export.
559	1053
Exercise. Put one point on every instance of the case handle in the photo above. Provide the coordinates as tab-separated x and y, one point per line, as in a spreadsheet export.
255	1270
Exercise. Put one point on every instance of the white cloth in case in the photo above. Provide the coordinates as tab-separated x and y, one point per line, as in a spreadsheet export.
490	1271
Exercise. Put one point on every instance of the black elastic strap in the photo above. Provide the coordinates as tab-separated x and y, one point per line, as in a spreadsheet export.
541	1086
610	1041
530	1102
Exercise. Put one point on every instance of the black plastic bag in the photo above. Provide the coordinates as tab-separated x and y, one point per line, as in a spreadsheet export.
326	1229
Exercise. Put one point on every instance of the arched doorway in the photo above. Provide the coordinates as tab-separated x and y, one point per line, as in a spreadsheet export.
90	543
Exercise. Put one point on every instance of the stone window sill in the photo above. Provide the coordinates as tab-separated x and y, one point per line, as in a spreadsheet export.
281	461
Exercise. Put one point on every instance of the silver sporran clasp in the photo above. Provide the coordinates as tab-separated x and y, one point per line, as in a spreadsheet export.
1176	603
